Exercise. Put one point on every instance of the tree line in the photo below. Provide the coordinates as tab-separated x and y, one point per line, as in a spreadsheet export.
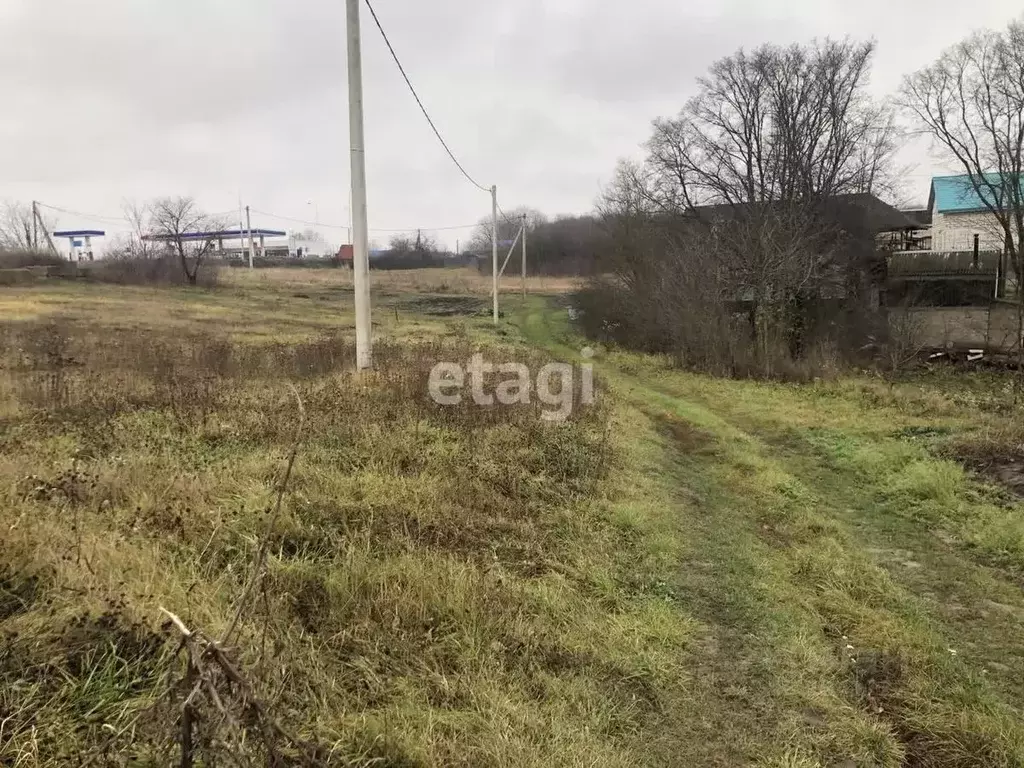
744	241
563	245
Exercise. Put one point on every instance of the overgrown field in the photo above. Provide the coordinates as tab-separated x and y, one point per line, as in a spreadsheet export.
441	586
693	571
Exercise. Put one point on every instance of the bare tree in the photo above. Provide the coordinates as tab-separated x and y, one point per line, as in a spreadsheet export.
508	226
140	219
407	251
402	245
759	156
777	124
426	243
16	227
905	339
750	173
138	243
180	224
971	103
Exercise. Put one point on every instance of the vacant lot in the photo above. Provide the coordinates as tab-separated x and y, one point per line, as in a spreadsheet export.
690	572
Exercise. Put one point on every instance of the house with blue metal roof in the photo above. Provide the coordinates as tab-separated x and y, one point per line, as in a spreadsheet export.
960	210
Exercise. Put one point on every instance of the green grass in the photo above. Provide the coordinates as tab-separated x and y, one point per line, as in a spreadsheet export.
865	590
693	572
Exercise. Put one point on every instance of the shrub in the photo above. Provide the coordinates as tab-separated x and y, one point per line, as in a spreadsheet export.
163	270
16	259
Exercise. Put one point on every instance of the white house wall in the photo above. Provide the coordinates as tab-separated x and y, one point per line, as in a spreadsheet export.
955	231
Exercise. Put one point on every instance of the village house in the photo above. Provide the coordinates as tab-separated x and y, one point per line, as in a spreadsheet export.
952	272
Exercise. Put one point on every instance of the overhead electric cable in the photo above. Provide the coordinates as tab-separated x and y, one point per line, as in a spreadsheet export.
423	109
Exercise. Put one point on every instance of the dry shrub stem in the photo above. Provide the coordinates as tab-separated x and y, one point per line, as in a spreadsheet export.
205	656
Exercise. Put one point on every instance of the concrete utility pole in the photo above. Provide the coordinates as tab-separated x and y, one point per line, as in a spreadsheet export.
39	224
494	249
360	243
241	229
524	257
248	227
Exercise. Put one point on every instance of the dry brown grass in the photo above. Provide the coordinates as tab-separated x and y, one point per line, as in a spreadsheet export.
708	573
441	587
460	280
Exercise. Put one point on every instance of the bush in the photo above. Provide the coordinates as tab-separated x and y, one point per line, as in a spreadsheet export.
163	270
17	259
675	285
291	262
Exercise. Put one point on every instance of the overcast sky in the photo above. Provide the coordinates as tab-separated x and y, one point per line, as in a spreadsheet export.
129	99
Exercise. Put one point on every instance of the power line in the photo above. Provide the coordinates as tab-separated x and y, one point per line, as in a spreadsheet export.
505	215
431	229
100	217
93	216
300	221
423	109
346	226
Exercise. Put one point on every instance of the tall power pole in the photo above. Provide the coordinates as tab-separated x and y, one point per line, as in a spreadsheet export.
248	227
40	225
494	249
360	240
524	257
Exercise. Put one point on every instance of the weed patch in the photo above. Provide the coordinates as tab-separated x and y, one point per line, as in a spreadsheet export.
428	582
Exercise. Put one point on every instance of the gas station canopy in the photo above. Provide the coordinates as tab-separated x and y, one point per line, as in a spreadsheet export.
80	241
224	234
80	233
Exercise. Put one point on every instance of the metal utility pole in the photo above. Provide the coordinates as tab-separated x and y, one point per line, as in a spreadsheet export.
248	228
494	249
524	257
360	244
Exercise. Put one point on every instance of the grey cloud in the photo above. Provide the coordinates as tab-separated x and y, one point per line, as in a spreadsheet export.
630	52
109	99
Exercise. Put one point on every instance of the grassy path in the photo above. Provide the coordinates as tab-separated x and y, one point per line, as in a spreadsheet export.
859	602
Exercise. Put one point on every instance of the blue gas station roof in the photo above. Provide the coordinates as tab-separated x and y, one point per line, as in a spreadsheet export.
226	234
80	233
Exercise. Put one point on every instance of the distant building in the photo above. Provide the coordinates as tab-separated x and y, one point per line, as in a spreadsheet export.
345	256
233	244
958	213
953	273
